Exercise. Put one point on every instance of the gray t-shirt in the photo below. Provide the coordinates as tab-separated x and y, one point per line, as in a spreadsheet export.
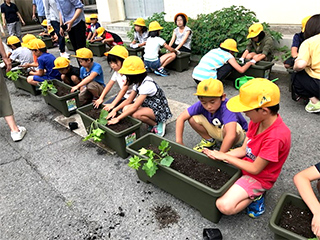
141	38
180	36
22	54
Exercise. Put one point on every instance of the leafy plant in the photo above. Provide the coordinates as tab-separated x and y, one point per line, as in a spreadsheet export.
285	53
13	75
87	43
94	131
47	86
152	159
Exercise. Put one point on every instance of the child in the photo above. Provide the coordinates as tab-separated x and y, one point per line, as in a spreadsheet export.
211	119
298	38
25	42
69	74
303	183
151	51
150	106
115	58
263	152
49	32
22	54
182	34
260	46
45	31
94	25
218	62
140	33
88	23
45	69
92	77
102	35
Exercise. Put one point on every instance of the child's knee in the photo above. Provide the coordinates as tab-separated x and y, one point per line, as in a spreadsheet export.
30	79
224	207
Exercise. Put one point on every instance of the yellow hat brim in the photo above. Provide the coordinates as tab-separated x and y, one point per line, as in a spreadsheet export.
234	105
135	72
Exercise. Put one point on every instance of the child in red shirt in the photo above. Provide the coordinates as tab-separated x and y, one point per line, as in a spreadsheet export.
102	35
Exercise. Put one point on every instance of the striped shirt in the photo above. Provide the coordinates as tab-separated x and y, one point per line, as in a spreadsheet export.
209	64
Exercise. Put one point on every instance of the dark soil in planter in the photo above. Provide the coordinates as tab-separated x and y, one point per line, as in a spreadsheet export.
210	176
62	91
24	73
297	220
165	215
120	126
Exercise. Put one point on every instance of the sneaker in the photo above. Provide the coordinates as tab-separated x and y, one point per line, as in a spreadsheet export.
203	144
65	54
161	72
313	108
17	136
159	129
256	208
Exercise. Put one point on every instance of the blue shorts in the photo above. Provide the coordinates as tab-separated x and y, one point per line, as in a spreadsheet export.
42	78
154	65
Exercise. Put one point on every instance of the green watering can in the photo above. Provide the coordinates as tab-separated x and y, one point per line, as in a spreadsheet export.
242	80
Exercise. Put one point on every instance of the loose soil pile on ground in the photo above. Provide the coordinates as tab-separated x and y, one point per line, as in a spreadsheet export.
165	215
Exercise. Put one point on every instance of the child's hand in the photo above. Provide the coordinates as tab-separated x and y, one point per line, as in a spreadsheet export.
216	155
97	103
112	114
108	107
113	121
75	88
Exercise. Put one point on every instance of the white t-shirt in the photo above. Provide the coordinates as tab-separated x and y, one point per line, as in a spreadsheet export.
147	87
121	79
152	47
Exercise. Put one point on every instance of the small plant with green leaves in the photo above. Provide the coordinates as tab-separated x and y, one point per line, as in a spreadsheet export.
152	159
87	43
13	75
285	53
94	131
47	86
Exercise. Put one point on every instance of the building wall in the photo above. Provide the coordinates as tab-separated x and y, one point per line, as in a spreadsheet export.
110	11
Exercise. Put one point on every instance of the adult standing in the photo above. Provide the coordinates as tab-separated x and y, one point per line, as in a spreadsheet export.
10	18
72	21
38	5
53	19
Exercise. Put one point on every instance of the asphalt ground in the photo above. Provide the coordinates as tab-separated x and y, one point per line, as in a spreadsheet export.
55	186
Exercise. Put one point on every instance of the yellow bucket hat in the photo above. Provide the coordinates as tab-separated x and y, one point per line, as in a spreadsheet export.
256	93
154	26
139	22
61	62
185	15
254	30
229	44
36	44
94	16
26	39
83	53
44	22
12	40
100	31
304	22
132	65
210	88
119	51
87	19
51	29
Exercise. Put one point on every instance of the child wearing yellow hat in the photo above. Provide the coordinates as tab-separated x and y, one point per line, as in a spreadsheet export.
219	62
263	152
25	42
211	119
260	46
94	25
150	105
45	69
109	38
19	53
69	74
140	34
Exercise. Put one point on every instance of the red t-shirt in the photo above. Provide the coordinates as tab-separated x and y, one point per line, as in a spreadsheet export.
273	145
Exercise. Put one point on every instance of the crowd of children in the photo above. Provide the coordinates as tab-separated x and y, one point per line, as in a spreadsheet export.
259	148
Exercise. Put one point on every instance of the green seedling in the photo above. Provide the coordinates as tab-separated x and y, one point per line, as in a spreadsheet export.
87	43
152	159
94	131
13	75
47	86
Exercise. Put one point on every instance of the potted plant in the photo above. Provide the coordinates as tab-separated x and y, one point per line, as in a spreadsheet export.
116	140
58	95
279	212
19	78
191	191
98	49
4	69
261	69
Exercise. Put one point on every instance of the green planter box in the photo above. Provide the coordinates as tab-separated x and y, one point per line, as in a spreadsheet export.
179	185
24	85
261	69
115	140
98	49
48	42
4	69
69	46
279	232
136	51
181	62
67	104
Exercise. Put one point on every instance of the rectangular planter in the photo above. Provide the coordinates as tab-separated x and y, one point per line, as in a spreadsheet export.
115	140
279	232
261	69
67	104
13	64
48	42
69	46
98	49
24	85
179	185
136	51
181	62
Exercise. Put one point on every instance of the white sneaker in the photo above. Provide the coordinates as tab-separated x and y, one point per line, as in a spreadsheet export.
17	136
65	54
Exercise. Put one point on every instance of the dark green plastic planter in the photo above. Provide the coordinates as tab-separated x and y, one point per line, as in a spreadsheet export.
115	140
67	104
181	62
136	51
279	232
24	85
4	70
69	46
98	49
48	42
261	69
179	185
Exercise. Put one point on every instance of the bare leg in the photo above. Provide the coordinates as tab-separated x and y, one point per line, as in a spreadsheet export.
145	115
167	58
11	123
31	81
199	128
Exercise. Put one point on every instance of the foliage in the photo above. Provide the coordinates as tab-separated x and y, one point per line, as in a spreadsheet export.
286	53
87	44
47	86
13	75
152	159
94	131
